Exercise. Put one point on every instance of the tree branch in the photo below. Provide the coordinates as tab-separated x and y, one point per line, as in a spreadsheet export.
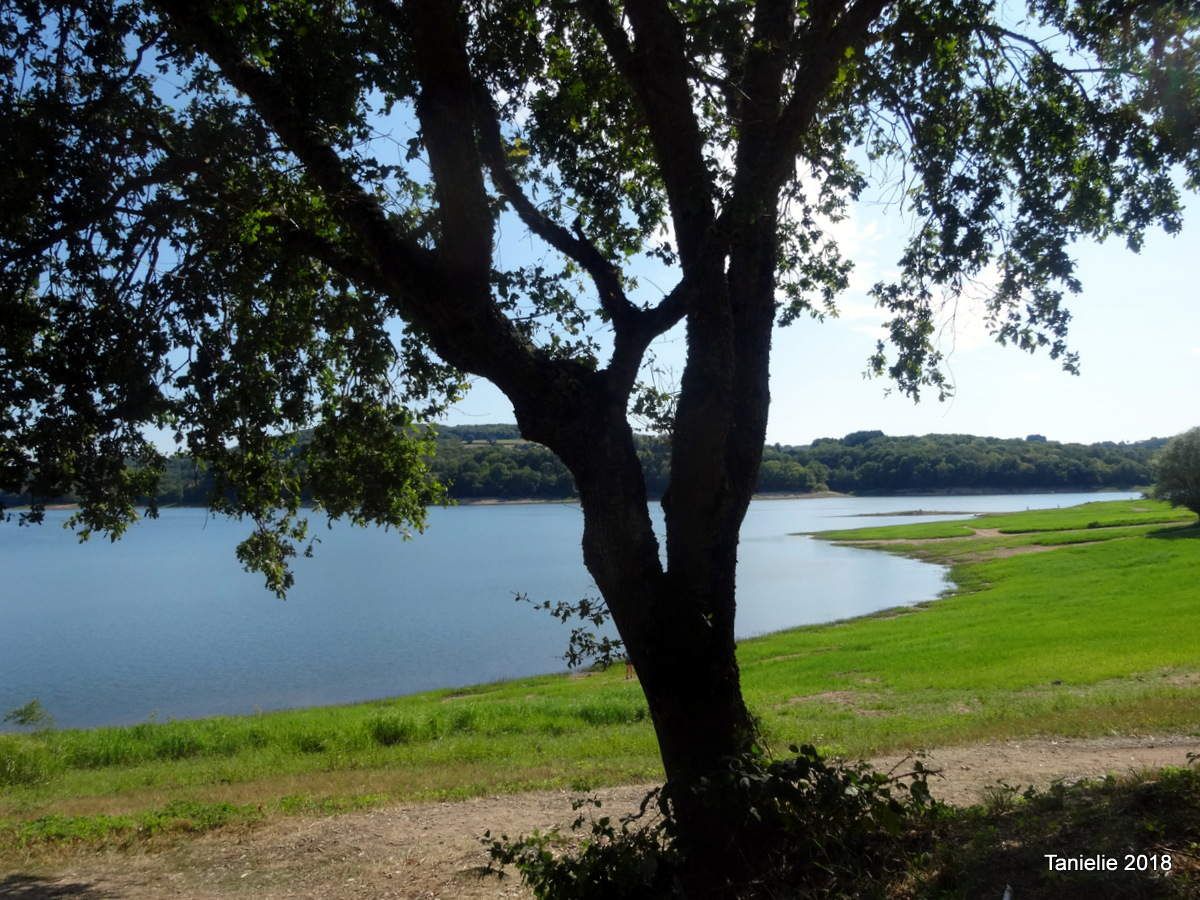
355	268
657	67
823	56
759	109
630	346
445	108
577	247
464	326
163	174
996	32
766	58
359	209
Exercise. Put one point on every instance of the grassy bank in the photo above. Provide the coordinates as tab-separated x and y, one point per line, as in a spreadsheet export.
1097	636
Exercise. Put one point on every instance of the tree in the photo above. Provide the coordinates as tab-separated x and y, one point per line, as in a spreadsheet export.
208	226
1177	471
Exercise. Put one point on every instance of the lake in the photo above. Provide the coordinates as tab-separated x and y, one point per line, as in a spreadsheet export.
165	623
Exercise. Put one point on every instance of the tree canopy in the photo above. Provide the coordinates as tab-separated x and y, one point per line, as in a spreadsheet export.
1177	471
233	221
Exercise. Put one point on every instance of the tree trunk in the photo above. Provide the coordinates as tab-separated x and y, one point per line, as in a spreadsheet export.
688	670
684	653
677	622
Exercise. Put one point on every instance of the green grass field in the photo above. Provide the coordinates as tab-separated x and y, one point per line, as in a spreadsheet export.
1100	514
1098	635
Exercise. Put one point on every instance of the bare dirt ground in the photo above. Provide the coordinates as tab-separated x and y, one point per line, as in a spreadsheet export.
982	555
432	850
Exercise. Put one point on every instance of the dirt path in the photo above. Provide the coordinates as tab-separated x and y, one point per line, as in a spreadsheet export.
965	541
424	851
958	538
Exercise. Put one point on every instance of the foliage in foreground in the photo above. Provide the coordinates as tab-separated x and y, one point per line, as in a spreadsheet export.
828	829
977	852
801	824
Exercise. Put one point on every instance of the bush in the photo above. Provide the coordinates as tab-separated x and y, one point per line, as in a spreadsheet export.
310	742
1177	471
798	827
613	864
388	731
612	712
460	721
177	745
23	762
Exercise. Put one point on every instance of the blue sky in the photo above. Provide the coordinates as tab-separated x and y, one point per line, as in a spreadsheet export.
1136	326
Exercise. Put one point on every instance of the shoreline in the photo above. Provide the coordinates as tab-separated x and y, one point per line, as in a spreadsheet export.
765	495
951	588
574	501
484	687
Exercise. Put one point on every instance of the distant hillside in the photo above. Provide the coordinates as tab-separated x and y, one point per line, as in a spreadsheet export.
492	461
872	462
862	462
484	433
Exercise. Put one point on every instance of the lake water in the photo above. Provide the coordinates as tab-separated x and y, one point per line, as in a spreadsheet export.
165	624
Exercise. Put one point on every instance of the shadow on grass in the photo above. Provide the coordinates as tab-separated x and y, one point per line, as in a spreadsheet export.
1187	533
31	887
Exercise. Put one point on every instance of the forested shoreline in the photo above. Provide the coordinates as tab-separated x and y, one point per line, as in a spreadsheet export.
479	462
490	461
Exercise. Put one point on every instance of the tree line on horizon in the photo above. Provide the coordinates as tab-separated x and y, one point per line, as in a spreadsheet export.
492	461
489	461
